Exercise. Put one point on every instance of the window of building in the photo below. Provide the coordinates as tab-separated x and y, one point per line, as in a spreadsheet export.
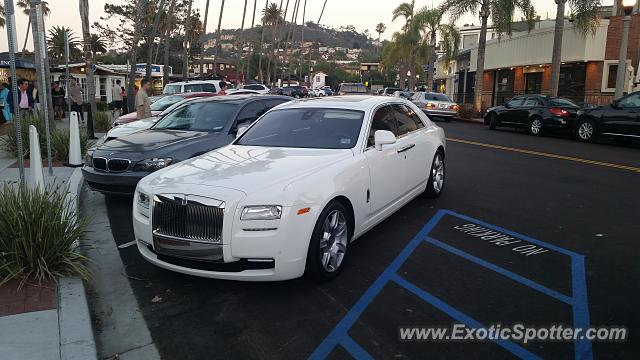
611	78
469	40
533	83
572	79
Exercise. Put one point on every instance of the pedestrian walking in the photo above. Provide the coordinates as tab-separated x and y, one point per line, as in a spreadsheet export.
33	89
116	96
143	106
75	92
5	112
25	99
223	88
57	97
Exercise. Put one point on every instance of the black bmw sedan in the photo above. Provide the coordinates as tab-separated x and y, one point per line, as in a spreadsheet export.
620	119
536	113
193	129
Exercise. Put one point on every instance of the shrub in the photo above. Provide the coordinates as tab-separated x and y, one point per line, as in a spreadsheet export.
466	111
101	121
38	230
10	142
60	144
102	106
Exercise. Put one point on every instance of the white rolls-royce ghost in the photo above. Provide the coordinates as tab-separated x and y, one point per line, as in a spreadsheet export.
290	194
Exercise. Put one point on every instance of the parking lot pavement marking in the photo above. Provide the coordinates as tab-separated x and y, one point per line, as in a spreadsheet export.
549	155
578	300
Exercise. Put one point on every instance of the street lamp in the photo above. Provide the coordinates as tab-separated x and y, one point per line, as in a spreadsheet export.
187	45
622	58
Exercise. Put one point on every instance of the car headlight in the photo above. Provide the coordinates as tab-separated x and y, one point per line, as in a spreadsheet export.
261	212
142	200
88	159
150	165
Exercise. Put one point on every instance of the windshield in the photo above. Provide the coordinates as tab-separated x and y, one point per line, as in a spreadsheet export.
165	102
201	116
172	89
306	128
361	89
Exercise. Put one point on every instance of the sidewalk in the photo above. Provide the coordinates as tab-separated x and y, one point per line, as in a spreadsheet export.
51	321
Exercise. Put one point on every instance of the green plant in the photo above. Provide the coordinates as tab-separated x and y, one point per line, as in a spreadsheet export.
38	230
466	111
60	144
102	106
10	142
101	121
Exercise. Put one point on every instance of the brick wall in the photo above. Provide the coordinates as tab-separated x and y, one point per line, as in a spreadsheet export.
614	37
518	81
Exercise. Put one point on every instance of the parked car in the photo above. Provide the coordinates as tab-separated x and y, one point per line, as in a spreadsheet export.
327	90
388	91
194	86
402	94
292	192
135	126
620	119
161	105
260	88
536	113
191	130
435	105
292	91
243	92
352	89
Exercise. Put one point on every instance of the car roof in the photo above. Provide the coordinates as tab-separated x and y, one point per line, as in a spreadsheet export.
240	99
354	102
193	82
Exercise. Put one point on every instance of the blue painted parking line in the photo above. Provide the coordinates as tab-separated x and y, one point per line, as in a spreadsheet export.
578	300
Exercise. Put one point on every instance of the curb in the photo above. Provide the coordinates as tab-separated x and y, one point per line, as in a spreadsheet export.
74	321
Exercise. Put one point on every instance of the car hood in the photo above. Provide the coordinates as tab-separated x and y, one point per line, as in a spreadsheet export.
130	128
133	116
249	169
153	140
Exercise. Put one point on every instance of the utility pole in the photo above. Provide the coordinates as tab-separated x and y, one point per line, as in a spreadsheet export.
10	18
622	57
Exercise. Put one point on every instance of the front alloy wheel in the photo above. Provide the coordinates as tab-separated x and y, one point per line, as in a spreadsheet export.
329	243
535	128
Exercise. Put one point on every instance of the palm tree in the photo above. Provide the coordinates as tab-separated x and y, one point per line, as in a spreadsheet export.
322	12
215	49
89	61
187	35
167	48
277	46
272	15
380	28
141	8
55	43
405	10
429	21
253	23
26	7
204	28
587	17
241	42
152	38
260	76
2	21
98	45
501	12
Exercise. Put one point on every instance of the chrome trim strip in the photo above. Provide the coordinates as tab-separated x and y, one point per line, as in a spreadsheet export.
615	134
161	235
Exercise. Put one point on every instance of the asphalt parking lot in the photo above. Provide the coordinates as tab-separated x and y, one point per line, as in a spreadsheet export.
564	221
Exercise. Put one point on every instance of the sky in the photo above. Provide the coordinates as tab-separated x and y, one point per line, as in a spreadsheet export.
363	14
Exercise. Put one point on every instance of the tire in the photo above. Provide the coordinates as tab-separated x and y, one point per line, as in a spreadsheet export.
329	244
586	131
436	187
297	96
536	127
493	121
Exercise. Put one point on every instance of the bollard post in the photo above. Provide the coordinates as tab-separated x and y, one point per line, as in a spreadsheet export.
36	178
75	155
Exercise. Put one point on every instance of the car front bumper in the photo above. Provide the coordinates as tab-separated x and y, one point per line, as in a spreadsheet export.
123	183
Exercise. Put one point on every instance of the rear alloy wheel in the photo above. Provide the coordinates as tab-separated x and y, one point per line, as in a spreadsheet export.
329	243
493	121
586	131
435	185
536	127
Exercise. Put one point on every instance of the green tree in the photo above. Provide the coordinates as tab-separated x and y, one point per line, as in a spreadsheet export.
406	11
55	44
429	21
380	29
98	45
501	13
26	9
272	16
587	17
2	21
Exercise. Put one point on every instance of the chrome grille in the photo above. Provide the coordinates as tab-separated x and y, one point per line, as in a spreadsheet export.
100	163
188	217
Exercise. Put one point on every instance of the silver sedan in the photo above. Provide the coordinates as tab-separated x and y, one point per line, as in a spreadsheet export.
435	105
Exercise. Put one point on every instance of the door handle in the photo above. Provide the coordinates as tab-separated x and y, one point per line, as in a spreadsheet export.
408	147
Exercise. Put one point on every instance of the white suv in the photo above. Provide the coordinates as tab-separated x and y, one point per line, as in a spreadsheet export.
192	86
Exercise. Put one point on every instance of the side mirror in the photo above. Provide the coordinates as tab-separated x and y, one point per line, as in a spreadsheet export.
383	137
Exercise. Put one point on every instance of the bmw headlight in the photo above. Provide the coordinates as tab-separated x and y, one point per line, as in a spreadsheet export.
142	200
150	165
88	158
261	212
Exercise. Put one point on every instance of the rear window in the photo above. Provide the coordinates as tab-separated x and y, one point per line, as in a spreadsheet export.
360	89
436	97
562	102
253	87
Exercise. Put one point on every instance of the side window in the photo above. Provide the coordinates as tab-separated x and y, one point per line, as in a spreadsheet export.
406	124
532	101
209	88
515	102
382	120
253	87
630	101
273	103
415	117
250	113
193	88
